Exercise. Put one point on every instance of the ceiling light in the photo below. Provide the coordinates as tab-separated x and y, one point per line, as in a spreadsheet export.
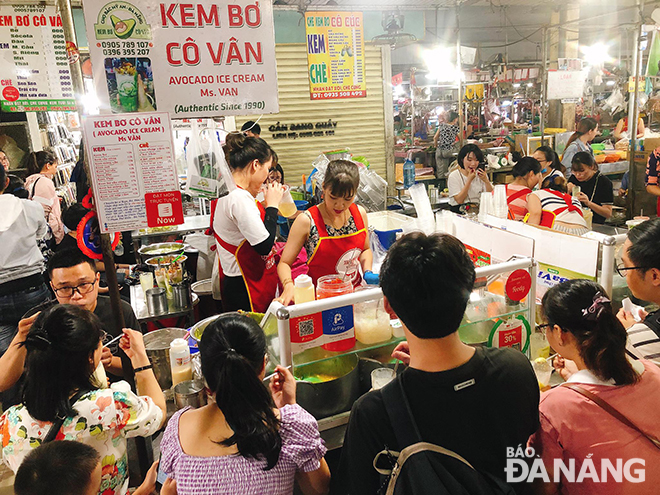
596	54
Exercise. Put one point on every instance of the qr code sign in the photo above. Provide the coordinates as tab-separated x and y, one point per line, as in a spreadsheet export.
306	328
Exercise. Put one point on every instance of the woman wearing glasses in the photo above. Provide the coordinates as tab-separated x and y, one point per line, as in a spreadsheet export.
550	165
607	411
63	349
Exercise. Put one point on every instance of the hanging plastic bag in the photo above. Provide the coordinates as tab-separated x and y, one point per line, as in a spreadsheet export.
208	172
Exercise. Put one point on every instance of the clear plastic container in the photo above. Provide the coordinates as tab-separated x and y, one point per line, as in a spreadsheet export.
331	286
372	323
303	289
180	361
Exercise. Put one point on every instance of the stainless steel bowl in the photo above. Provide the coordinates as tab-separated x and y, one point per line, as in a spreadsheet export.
157	344
161	249
158	260
329	397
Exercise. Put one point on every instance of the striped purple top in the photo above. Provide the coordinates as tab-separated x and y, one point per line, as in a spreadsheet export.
302	450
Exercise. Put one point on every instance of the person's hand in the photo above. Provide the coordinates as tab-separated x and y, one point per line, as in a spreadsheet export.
471	175
132	343
565	367
106	357
569	187
402	353
148	486
626	318
584	199
283	387
144	105
481	173
287	295
25	324
273	194
169	487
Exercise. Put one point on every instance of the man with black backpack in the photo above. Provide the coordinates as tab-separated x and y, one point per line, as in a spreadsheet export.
640	266
472	403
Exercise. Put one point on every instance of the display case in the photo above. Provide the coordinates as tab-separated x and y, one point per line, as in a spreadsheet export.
499	314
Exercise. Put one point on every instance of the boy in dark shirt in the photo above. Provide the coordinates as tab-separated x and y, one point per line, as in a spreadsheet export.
475	402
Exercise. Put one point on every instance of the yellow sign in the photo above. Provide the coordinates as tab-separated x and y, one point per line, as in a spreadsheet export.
474	91
641	84
335	55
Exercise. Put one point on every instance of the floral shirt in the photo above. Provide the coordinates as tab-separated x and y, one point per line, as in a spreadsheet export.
106	418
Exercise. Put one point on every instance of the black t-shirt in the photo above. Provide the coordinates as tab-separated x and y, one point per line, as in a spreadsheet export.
67	243
602	195
477	421
103	311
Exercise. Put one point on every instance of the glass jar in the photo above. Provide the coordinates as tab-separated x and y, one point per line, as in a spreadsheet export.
331	286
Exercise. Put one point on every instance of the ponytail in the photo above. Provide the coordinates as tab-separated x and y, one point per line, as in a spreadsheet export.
585	125
526	165
580	307
551	157
39	159
232	350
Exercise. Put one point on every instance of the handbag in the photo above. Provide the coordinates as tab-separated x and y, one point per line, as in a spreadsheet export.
611	411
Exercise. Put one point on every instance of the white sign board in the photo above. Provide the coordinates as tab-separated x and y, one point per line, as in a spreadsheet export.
563	84
34	66
134	178
500	244
199	59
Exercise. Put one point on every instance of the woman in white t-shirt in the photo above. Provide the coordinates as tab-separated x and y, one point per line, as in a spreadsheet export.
467	182
245	230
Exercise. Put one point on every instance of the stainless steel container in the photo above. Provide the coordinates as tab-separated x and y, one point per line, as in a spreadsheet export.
160	249
156	300
157	344
182	295
190	393
333	396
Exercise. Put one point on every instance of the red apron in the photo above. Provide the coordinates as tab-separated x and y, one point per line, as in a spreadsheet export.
259	272
512	198
548	217
337	254
657	208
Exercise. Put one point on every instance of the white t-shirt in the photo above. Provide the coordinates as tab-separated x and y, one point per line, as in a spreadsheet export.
456	182
236	219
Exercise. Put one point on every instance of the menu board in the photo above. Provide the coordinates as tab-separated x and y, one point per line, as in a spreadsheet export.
34	67
134	177
199	59
335	55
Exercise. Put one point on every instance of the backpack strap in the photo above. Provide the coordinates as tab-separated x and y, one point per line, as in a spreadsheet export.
652	321
400	414
57	424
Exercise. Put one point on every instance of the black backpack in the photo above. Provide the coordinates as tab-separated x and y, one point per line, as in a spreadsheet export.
652	321
425	468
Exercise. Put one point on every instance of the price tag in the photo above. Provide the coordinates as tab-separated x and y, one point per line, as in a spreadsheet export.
514	333
518	285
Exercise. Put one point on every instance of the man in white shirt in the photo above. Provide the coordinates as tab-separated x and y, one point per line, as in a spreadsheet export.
641	267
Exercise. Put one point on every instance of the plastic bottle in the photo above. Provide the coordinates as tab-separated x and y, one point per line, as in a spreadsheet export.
303	289
408	173
180	361
529	128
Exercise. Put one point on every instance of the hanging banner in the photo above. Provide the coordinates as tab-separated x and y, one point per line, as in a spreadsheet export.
564	84
134	177
335	55
34	66
199	59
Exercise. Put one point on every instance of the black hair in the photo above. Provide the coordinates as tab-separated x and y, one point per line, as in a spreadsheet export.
251	126
516	156
550	156
452	116
67	258
427	281
278	168
601	338
583	159
57	468
466	150
39	159
59	346
555	183
526	165
342	177
72	215
3	179
645	239
244	150
232	350
585	125
16	187
276	159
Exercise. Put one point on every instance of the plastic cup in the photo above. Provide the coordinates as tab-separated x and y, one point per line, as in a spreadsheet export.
576	191
485	205
287	207
127	90
146	281
381	377
499	204
543	371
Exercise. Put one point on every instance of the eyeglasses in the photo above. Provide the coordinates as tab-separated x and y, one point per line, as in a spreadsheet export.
542	327
82	289
621	270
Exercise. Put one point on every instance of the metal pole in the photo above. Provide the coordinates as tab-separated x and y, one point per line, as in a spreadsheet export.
459	66
632	109
544	83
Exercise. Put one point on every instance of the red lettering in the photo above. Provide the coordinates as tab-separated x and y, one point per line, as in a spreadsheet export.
165	16
6	20
235	15
212	18
250	50
187	16
216	56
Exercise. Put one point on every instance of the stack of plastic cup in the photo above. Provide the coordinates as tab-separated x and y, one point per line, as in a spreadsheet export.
500	206
485	206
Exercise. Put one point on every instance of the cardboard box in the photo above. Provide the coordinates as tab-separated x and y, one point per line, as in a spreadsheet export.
651	143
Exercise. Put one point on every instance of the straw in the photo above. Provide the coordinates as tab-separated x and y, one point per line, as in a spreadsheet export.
273	374
113	341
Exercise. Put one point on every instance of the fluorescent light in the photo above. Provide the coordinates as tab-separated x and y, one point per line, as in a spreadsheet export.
529	84
610	83
516	85
506	103
596	54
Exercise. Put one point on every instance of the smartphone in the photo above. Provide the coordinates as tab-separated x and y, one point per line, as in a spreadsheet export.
160	477
482	166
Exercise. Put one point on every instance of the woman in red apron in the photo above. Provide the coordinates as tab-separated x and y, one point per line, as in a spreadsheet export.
526	173
335	233
245	230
